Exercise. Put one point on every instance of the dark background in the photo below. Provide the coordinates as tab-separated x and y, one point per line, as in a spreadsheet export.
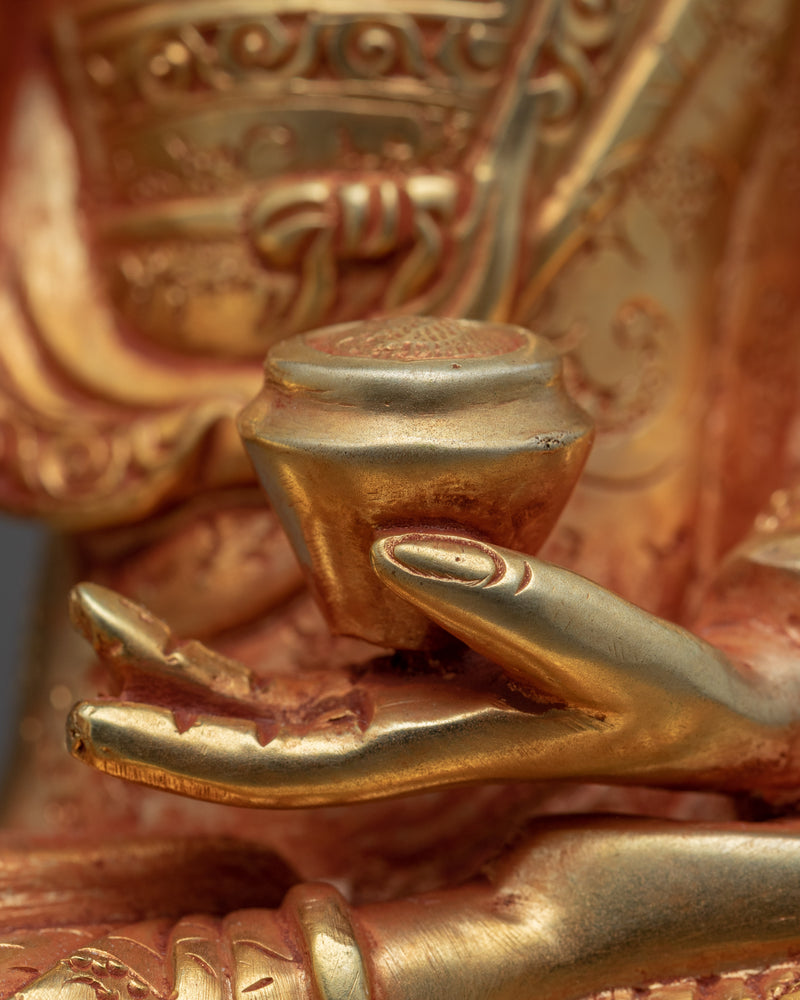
21	555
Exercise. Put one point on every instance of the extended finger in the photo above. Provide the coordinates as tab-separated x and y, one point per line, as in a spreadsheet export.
411	738
127	636
557	632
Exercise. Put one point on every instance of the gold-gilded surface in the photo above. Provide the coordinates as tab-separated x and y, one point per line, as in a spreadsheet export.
360	424
567	909
625	698
188	183
335	957
238	124
635	171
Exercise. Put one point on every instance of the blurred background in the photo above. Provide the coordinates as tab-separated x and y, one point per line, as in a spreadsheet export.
22	547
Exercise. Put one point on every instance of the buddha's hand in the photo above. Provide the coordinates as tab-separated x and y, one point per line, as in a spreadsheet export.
590	688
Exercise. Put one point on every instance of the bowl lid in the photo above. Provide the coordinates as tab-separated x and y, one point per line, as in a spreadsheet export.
414	361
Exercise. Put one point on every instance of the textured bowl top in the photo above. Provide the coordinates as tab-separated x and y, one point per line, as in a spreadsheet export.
412	362
417	338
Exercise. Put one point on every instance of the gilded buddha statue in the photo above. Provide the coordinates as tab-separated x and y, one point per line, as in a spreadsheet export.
430	735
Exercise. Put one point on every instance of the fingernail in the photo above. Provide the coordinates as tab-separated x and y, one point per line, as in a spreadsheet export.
446	559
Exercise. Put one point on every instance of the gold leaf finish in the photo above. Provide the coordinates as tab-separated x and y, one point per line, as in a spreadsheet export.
511	634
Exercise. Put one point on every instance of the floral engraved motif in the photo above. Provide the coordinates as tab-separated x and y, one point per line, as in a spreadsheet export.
83	467
371	49
341	140
106	975
640	331
571	63
171	62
